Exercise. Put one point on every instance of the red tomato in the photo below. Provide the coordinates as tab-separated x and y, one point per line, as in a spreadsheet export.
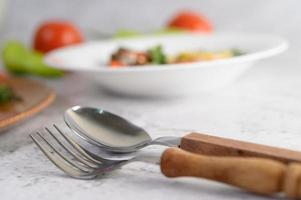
54	34
191	21
3	77
116	64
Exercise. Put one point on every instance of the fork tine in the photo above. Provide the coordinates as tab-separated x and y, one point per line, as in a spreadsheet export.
59	160
77	147
78	165
75	154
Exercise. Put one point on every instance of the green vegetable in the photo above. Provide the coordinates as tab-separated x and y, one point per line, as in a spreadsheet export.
6	93
237	52
126	34
168	31
20	60
157	55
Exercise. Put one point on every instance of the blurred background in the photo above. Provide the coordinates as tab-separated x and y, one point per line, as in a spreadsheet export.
269	16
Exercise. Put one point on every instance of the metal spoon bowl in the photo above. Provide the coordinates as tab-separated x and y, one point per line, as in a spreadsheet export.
111	132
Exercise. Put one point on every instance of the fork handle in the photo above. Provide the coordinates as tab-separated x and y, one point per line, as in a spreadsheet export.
258	175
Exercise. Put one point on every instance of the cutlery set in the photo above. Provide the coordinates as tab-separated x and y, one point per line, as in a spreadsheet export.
253	167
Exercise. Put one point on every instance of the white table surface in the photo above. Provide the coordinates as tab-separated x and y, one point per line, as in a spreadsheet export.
262	106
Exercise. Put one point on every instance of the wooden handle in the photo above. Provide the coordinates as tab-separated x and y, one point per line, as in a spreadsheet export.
292	181
258	175
217	146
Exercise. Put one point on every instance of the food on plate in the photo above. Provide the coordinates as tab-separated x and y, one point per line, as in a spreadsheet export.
20	60
191	56
155	55
124	57
191	21
54	34
6	92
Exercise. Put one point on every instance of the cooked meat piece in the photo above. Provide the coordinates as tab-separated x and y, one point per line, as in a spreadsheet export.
128	57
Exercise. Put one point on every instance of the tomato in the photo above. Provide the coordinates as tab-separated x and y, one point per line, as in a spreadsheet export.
54	34
116	64
191	21
2	77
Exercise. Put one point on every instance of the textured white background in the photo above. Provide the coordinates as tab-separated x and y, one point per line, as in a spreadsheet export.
262	106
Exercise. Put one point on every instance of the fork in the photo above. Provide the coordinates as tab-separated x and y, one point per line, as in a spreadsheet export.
74	160
263	176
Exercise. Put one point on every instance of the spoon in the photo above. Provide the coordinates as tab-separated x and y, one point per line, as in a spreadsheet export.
115	134
111	132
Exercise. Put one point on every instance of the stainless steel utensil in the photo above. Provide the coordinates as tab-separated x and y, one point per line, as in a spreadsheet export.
110	131
71	157
258	175
76	161
115	134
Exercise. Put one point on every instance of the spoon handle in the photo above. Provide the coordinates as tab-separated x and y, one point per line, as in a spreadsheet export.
218	146
259	175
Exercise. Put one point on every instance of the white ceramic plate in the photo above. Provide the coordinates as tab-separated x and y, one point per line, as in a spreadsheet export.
173	79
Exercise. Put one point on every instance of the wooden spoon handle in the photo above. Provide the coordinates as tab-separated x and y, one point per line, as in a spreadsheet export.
258	175
217	146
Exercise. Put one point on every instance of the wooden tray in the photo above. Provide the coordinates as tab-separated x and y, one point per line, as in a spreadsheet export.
35	97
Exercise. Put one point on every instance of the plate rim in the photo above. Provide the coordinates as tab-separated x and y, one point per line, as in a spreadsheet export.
249	57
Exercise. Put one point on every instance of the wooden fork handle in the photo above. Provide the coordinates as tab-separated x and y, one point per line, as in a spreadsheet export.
258	175
217	146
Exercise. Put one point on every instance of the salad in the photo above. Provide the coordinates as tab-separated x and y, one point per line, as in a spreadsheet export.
155	55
